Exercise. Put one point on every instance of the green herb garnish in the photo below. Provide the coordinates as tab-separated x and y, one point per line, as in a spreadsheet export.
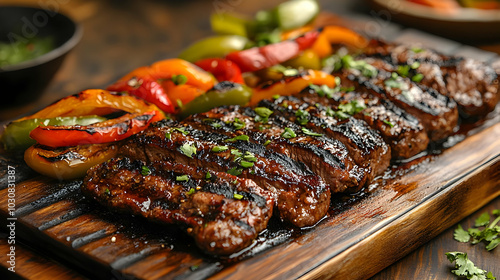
237	196
218	149
263	114
179	79
288	133
310	133
417	78
208	175
246	164
235	171
238	138
388	123
145	171
182	178
302	117
267	142
191	191
466	268
490	234
238	124
188	150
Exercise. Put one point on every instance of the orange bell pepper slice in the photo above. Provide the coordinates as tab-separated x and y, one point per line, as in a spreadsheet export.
181	93
94	102
333	34
292	85
196	76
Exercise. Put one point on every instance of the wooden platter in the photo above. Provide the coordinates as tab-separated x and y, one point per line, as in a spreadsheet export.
363	233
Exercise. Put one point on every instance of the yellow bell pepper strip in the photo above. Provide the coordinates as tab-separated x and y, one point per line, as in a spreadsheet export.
308	59
146	88
16	135
216	46
258	58
93	102
224	93
292	85
103	132
337	35
68	162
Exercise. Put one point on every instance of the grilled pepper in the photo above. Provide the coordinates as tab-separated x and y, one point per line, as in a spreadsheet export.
292	85
103	132
217	46
146	88
224	93
93	102
258	58
337	35
16	134
68	162
222	69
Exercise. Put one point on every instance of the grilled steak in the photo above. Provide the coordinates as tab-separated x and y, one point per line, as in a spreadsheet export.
223	213
403	132
472	84
437	113
326	157
301	196
365	146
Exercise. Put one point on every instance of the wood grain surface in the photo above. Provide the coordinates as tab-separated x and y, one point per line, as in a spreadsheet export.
362	235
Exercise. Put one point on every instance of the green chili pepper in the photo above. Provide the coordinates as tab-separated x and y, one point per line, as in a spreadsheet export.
16	134
216	46
229	24
224	93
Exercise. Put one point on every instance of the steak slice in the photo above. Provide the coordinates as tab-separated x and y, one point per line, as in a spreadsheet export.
223	213
365	146
436	112
472	84
301	197
326	157
402	131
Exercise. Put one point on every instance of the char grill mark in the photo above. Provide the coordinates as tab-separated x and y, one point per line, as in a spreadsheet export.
324	156
472	84
436	112
302	197
402	131
223	213
365	146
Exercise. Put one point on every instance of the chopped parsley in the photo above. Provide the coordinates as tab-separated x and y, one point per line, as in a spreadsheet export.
310	133
267	142
188	150
246	164
191	191
323	90
366	69
238	138
417	49
302	117
263	114
288	133
235	171
237	196
208	175
352	107
182	178
107	192
218	149
236	153
417	78
389	123
286	71
238	124
179	79
248	156
392	81
145	171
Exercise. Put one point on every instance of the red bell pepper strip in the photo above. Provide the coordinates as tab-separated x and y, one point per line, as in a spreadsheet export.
222	69
103	132
146	88
258	58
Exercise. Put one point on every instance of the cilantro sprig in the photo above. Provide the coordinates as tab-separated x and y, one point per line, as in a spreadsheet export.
483	231
466	268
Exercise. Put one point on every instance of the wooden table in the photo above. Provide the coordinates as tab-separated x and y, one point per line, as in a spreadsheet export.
122	35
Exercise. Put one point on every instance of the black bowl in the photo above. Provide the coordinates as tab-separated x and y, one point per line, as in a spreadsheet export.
25	81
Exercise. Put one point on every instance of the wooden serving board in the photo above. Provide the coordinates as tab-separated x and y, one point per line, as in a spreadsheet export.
412	203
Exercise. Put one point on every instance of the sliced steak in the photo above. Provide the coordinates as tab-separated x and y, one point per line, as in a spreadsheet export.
436	112
326	157
365	146
302	198
223	213
402	131
471	83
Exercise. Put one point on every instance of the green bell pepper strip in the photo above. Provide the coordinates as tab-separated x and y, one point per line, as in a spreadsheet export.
229	24
16	134
224	93
216	46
